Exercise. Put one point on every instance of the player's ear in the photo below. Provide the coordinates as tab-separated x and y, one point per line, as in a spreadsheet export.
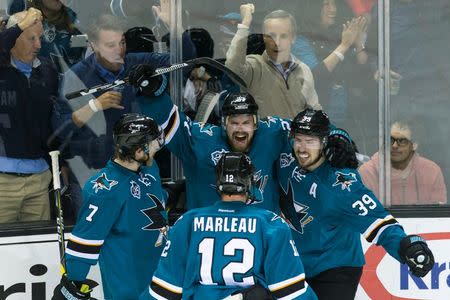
415	145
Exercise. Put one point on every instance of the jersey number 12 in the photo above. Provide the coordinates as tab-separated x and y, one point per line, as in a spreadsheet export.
206	249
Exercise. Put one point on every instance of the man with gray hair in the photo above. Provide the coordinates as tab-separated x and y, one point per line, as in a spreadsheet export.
28	87
281	84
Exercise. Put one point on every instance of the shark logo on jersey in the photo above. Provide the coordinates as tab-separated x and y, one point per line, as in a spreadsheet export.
269	120
260	181
298	174
135	189
103	183
206	128
345	180
154	214
146	179
302	216
286	159
216	155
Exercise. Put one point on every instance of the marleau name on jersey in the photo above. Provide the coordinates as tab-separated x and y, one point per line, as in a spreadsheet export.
225	224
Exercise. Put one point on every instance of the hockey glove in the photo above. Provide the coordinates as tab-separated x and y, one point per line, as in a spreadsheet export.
340	150
140	76
415	252
73	290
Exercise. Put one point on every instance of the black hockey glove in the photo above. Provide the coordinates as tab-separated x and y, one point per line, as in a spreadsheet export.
74	290
340	150
255	292
415	252
140	76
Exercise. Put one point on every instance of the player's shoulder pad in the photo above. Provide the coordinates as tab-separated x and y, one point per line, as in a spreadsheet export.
101	183
273	220
274	123
287	160
344	180
205	130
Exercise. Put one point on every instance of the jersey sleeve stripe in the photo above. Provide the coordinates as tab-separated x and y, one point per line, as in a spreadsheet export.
82	255
161	290
172	124
295	295
282	284
82	248
284	289
374	230
79	240
167	286
155	295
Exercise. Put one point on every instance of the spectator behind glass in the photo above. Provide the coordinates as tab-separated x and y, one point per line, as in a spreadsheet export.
60	24
324	46
281	84
28	86
86	123
414	179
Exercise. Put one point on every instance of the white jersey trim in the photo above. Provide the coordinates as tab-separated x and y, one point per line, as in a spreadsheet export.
295	294
85	241
171	131
284	283
82	255
375	224
375	240
168	286
155	295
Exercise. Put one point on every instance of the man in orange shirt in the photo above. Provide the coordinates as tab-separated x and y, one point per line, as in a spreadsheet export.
414	179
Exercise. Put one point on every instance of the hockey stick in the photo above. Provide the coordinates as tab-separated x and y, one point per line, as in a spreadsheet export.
59	217
196	61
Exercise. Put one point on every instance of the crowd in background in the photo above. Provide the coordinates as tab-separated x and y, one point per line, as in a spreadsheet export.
50	47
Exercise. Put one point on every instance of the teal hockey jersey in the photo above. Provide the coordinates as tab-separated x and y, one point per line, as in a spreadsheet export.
118	226
199	147
227	247
332	209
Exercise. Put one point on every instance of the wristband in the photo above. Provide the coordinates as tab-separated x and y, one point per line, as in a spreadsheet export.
339	55
240	25
92	105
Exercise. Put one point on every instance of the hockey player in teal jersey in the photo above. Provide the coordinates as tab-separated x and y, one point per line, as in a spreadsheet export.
122	221
331	208
230	247
199	146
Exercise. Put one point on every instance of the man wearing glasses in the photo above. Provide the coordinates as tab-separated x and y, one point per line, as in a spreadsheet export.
414	179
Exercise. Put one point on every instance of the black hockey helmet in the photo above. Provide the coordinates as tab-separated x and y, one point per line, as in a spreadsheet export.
136	130
139	39
239	104
234	173
202	41
311	122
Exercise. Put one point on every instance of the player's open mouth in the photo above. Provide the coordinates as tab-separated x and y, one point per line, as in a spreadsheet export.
240	138
302	156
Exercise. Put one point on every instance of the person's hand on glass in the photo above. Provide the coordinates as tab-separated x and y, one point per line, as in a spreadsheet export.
360	41
350	31
162	12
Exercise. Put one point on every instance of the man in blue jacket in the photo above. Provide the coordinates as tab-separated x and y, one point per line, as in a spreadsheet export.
86	123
